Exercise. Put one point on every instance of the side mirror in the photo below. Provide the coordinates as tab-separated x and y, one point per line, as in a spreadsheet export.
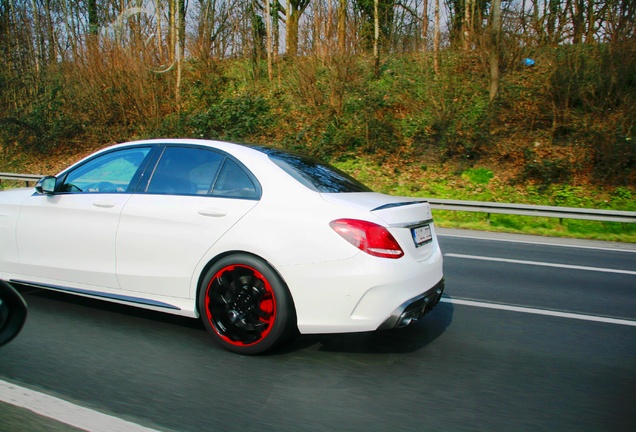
46	185
13	312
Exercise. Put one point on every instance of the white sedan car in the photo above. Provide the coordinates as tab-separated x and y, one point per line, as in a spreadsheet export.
256	241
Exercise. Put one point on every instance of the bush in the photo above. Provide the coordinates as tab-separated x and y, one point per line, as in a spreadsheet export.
546	172
45	124
234	118
613	159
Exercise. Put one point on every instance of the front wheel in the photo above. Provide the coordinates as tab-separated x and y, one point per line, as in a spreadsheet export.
245	305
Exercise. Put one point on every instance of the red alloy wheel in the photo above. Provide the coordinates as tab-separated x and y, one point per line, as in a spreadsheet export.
245	305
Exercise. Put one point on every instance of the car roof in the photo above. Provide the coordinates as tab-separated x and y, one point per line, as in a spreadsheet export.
230	147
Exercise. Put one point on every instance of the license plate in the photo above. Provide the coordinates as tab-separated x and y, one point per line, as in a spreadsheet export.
421	235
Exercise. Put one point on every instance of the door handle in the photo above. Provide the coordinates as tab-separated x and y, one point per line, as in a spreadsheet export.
212	212
104	204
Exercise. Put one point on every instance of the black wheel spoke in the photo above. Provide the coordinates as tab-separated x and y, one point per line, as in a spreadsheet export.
236	298
265	316
240	304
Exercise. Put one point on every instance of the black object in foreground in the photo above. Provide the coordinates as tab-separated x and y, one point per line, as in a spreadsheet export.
13	312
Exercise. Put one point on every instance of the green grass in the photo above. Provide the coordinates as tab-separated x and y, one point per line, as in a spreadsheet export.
480	184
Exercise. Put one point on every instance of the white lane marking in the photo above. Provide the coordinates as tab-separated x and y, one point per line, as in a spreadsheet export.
538	263
553	241
65	412
546	312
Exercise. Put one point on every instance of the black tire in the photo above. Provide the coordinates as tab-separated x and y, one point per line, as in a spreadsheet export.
245	305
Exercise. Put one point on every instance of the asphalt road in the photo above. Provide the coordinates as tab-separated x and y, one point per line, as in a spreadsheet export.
516	345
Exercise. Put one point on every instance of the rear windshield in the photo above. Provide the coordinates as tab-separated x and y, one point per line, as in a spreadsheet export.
314	174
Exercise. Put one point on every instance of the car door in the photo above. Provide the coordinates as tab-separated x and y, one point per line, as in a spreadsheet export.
193	196
68	237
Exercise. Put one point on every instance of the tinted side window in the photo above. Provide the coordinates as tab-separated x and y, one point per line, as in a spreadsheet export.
234	182
108	173
185	171
316	175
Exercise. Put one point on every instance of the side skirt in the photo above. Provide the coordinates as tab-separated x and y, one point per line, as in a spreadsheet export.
102	295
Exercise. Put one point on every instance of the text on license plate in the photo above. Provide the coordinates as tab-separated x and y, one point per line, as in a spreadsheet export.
421	235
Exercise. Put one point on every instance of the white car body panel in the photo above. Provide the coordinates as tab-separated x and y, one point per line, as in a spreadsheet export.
162	238
70	238
10	202
365	286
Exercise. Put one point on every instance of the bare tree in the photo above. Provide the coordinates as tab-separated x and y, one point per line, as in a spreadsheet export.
269	47
467	23
342	26
425	24
620	21
376	37
495	48
436	38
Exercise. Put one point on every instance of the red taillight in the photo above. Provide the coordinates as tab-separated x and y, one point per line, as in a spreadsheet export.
368	237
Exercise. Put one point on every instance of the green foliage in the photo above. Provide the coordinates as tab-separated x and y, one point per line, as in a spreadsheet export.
545	171
43	125
613	158
593	93
622	193
233	118
386	12
336	139
454	111
593	77
478	175
568	196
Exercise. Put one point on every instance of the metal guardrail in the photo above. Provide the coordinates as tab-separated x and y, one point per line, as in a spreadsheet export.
26	178
474	206
535	210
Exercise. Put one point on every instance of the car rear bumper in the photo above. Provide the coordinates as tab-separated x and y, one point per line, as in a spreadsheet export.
415	308
362	293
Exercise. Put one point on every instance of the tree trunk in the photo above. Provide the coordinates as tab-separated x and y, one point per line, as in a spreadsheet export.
495	48
578	21
467	24
295	9
292	29
268	29
49	32
182	26
436	39
276	28
172	24
342	26
376	38
158	15
591	21
425	23
553	13
37	55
